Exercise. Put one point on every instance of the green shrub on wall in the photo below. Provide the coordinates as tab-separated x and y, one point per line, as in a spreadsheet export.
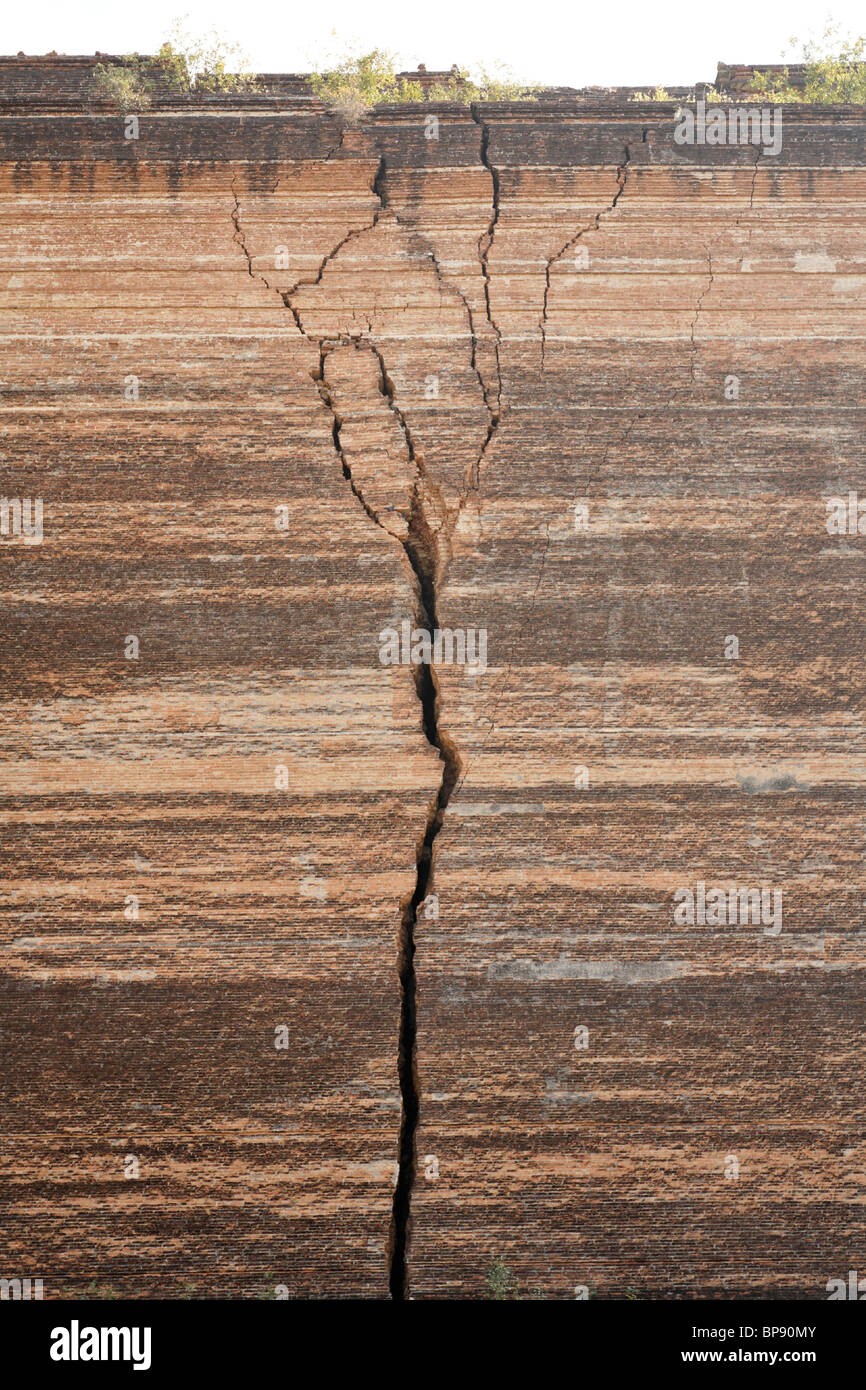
183	64
835	73
357	84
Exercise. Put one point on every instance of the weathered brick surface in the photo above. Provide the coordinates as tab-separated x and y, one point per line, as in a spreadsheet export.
286	292
605	1167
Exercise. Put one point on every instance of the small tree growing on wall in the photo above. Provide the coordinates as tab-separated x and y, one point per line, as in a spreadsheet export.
184	63
502	1284
835	72
357	84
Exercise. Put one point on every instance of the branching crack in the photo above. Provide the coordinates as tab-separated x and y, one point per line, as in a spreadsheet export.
386	387
447	283
238	238
335	149
421	549
593	226
305	283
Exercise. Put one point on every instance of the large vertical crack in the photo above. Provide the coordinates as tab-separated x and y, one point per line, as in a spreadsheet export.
422	552
421	548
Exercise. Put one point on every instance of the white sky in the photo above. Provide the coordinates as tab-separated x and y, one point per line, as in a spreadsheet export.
567	42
